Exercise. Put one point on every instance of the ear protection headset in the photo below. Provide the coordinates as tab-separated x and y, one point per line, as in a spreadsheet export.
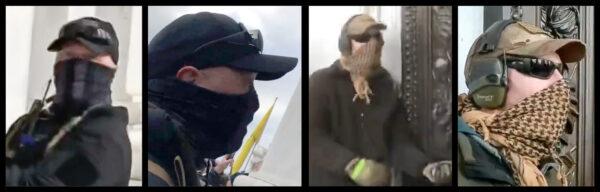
486	70
344	44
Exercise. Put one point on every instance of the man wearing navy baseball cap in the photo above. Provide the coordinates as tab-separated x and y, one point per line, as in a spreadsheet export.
201	69
80	139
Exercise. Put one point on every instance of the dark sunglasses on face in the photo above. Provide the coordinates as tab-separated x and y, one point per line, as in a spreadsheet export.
535	67
365	37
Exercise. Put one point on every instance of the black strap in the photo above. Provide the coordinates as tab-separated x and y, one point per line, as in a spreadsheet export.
490	39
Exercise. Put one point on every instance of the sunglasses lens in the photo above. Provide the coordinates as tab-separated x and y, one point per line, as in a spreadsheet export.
543	70
362	38
539	68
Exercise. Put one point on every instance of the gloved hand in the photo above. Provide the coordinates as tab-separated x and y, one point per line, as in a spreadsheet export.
367	172
222	163
439	173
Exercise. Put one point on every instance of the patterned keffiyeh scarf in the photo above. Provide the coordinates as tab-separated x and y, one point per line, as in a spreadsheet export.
524	133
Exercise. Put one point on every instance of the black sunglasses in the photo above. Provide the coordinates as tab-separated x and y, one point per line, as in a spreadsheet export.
246	38
365	37
535	67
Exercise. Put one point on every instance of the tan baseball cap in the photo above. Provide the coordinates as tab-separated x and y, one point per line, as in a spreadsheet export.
524	39
360	23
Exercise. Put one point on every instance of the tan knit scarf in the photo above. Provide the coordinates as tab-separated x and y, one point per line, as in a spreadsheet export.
361	65
524	133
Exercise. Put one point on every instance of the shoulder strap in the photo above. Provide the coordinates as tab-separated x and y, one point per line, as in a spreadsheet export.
159	172
62	132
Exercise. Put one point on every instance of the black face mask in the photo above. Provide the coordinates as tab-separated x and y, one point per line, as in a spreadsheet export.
80	84
214	123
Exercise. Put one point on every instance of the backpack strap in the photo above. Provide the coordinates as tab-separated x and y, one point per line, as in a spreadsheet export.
159	172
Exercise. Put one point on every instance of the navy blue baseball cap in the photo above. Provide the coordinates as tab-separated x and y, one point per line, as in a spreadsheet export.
206	40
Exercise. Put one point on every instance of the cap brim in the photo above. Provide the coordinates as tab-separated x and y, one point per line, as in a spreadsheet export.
569	50
361	29
57	44
267	67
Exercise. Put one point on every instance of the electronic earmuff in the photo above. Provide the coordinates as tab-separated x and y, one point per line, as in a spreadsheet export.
344	44
486	68
487	76
488	82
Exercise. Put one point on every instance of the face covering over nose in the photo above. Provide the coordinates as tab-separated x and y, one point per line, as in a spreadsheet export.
525	133
214	123
361	64
80	84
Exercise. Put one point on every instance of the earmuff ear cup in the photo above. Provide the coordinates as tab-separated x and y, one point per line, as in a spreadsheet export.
344	41
491	92
490	96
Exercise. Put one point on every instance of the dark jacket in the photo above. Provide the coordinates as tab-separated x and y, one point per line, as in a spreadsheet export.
340	129
173	160
479	163
166	147
96	152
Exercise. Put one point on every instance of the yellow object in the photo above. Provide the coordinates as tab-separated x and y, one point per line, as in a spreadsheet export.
358	169
251	141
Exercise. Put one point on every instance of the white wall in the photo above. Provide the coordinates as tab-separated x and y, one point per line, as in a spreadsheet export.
470	26
391	54
29	31
134	76
18	47
324	27
282	166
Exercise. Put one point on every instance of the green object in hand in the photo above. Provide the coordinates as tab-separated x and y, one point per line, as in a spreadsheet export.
358	169
366	172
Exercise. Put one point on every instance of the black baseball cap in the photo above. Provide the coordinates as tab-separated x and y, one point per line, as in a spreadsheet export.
205	40
97	35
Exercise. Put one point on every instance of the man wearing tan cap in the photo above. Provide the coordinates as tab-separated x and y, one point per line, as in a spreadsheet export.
510	121
356	116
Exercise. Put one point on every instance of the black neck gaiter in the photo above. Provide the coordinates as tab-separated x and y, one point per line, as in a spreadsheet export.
214	123
80	84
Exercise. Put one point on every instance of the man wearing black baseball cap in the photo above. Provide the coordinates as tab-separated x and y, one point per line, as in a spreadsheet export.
201	95
80	139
